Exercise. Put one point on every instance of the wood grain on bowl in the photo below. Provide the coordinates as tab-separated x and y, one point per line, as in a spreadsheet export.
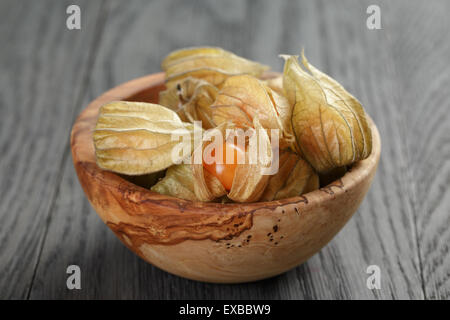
209	241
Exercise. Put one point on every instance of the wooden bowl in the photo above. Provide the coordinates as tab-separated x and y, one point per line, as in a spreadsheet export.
212	242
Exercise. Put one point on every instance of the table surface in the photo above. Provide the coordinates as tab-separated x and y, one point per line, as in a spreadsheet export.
401	74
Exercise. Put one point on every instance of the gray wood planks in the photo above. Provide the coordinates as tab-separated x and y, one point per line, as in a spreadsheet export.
422	65
43	71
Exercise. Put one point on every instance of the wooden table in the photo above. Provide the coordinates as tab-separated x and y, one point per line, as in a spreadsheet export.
401	74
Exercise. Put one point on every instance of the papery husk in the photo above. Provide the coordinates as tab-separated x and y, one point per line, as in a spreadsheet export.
231	113
284	112
336	94
206	186
211	64
242	98
329	124
294	178
281	103
250	180
178	182
191	98
276	84
135	138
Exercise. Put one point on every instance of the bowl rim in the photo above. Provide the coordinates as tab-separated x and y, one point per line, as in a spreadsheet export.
83	156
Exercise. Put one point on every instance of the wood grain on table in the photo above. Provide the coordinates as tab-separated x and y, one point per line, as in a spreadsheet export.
400	73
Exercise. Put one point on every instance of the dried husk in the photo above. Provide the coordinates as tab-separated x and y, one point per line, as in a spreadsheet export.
276	84
329	124
191	98
206	186
284	113
282	105
211	64
135	138
178	182
294	177
337	95
243	97
250	179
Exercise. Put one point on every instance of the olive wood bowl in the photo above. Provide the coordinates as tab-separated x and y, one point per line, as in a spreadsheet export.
213	242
